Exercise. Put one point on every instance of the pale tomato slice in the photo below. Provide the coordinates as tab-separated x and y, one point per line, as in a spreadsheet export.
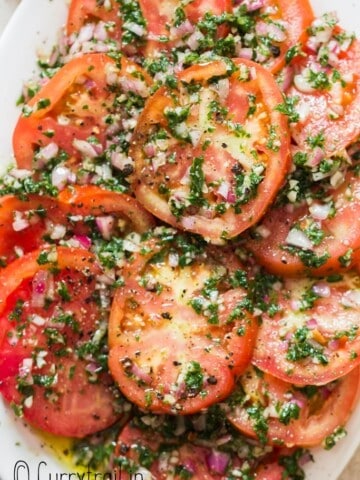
211	154
179	332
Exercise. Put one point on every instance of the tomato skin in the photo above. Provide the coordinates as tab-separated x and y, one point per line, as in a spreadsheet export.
158	333
63	400
341	234
84	11
147	179
80	92
318	417
93	200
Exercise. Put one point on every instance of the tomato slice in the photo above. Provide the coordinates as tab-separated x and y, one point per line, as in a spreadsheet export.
75	113
83	12
150	452
281	414
53	343
326	90
191	460
178	333
24	223
210	162
169	25
278	26
314	338
93	200
318	236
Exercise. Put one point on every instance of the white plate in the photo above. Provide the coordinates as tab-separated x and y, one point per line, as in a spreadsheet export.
34	27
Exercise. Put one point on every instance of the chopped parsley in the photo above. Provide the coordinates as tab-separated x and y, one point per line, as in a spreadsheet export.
301	348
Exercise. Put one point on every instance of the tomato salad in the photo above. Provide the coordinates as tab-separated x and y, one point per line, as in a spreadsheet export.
179	255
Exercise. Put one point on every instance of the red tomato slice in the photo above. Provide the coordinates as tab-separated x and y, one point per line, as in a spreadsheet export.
73	107
93	200
315	337
24	223
190	459
177	332
145	451
165	32
335	235
280	24
327	93
48	353
82	12
291	418
211	162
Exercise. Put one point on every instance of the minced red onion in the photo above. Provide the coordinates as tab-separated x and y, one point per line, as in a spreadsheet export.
135	28
231	198
185	28
263	231
287	77
150	150
37	320
48	152
83	240
297	238
92	368
40	283
321	289
100	32
273	30
299	402
223	88
302	83
61	176
195	136
25	367
223	189
86	33
217	461
245	52
105	224
57	231
20	222
334	345
84	147
188	222
119	160
20	173
251	5
351	298
134	85
312	323
194	40
261	28
139	373
173	259
320	211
